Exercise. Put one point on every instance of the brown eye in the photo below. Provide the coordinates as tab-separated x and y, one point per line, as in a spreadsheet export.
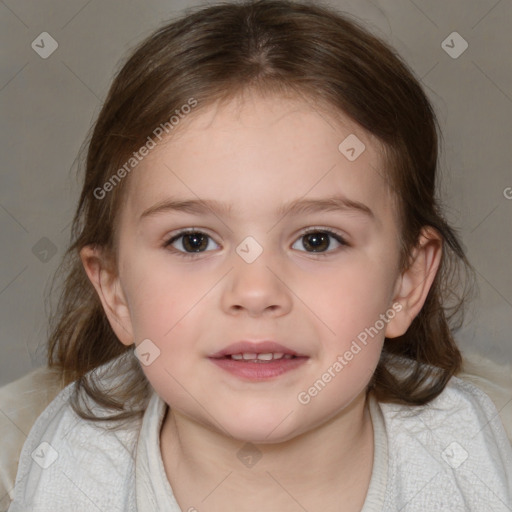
316	241
190	241
319	241
194	242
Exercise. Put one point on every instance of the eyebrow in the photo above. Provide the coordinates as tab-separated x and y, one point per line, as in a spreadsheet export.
295	207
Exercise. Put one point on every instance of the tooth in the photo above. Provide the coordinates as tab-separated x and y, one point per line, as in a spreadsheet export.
269	356
265	357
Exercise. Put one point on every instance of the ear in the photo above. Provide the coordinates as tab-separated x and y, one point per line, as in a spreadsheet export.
414	283
105	280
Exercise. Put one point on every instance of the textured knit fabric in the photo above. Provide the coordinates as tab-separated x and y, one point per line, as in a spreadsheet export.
21	402
450	455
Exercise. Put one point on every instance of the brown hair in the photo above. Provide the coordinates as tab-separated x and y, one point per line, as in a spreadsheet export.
278	47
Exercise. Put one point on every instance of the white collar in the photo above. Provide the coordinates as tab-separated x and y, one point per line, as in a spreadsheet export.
154	492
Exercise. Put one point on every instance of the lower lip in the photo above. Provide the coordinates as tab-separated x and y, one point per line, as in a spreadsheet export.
259	371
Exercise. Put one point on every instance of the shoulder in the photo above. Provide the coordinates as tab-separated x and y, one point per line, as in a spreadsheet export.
70	462
462	408
452	453
21	402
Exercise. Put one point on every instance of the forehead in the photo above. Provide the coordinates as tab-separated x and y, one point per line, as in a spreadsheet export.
258	153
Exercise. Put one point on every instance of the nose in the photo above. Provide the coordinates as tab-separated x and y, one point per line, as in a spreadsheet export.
257	288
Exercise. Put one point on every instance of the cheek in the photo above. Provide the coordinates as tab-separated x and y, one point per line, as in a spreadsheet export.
162	315
350	299
160	295
164	304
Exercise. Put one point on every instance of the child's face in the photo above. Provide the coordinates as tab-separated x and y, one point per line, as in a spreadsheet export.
270	153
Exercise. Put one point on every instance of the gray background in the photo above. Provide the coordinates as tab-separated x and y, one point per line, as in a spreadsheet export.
49	104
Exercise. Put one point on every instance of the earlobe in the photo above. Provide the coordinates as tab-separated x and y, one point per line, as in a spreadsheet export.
108	287
415	282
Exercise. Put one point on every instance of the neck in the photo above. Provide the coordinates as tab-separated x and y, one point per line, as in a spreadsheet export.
333	461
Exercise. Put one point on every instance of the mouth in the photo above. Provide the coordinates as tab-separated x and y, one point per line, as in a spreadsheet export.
249	357
261	351
257	360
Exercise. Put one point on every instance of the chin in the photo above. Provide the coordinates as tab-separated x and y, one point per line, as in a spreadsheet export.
261	427
254	435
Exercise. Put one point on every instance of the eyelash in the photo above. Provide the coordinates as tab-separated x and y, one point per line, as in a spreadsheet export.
192	255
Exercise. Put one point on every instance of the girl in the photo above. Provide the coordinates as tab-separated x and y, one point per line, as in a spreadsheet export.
261	288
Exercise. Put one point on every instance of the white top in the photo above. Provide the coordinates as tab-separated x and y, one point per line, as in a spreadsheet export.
451	455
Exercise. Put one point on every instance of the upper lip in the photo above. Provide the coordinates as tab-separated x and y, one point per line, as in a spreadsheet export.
254	347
